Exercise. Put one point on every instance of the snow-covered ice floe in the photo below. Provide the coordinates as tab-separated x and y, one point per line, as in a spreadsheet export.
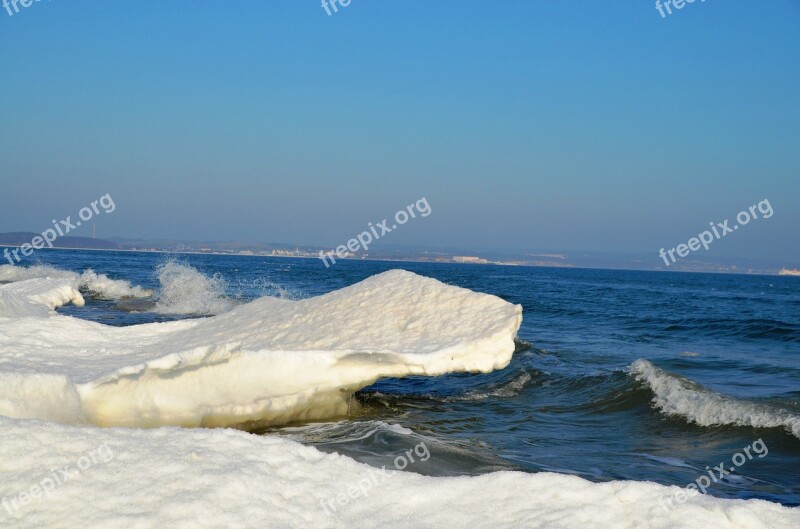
99	285
190	478
272	361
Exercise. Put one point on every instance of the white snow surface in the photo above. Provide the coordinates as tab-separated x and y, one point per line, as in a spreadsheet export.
100	285
273	360
192	478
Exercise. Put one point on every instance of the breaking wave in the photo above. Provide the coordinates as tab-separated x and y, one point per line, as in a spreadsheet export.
183	290
186	290
679	396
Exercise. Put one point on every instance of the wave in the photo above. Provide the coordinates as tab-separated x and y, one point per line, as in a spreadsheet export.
270	360
751	328
343	431
186	290
261	286
98	285
376	443
679	396
507	384
183	290
507	390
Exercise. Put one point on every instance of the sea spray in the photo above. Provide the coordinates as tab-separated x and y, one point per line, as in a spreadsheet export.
186	290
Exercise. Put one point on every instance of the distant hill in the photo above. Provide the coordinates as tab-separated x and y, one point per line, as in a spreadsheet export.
21	237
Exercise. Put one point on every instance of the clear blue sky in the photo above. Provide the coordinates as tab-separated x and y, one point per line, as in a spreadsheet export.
569	125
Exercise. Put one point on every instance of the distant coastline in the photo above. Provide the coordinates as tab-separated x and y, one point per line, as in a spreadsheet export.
578	260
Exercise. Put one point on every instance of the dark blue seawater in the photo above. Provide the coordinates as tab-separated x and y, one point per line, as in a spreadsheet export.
568	401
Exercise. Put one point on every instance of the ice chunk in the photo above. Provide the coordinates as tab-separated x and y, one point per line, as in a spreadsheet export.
271	360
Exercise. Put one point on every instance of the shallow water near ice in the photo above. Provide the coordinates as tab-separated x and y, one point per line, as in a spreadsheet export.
616	374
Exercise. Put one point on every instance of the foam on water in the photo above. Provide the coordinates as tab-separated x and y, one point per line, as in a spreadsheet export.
679	396
262	286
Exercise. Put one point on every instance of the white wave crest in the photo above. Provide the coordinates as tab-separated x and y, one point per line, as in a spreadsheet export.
101	286
186	290
676	395
183	289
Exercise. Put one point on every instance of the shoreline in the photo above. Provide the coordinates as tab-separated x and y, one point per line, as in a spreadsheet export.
570	267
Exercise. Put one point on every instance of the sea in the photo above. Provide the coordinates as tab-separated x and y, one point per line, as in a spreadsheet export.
617	375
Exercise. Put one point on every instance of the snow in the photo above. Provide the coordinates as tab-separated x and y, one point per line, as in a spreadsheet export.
37	297
99	285
273	361
189	478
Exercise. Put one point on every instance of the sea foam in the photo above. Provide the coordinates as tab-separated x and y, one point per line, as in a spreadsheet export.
186	290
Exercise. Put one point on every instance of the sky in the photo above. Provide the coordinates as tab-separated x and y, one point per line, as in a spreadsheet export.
564	126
